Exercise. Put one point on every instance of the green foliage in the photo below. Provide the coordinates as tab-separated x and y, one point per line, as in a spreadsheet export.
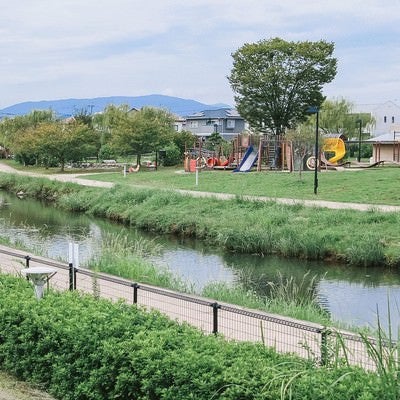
248	226
369	251
276	81
107	152
142	131
12	128
58	142
79	347
184	140
214	141
172	155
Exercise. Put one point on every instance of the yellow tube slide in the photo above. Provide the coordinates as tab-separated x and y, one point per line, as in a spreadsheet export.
334	145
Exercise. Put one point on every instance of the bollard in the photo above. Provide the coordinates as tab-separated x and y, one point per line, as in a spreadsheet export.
135	292
215	307
71	276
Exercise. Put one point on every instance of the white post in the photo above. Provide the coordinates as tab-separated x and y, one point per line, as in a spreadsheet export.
197	176
124	170
70	253
76	255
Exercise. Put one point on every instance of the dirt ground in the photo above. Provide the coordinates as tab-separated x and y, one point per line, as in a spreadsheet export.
12	389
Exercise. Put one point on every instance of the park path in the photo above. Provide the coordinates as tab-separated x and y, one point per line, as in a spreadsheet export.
79	179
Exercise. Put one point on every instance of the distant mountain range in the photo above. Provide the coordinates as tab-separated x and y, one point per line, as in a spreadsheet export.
69	107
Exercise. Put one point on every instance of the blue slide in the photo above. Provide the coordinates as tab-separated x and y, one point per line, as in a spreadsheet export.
248	161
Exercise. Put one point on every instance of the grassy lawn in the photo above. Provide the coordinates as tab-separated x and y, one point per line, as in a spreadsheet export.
372	186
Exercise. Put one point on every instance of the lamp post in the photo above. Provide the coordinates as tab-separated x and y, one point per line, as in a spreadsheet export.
359	122
315	110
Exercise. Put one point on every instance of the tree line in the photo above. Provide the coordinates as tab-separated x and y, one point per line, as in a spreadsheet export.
40	138
276	83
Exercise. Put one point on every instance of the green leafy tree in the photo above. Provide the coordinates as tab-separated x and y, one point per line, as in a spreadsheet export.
12	128
337	116
172	155
107	124
214	141
144	131
184	140
83	117
303	142
55	142
276	81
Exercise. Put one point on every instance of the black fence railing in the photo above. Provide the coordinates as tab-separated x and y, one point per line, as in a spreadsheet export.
286	335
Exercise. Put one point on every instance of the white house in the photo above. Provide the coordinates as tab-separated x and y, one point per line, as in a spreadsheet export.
386	115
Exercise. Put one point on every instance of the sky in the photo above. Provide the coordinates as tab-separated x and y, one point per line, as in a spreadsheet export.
59	49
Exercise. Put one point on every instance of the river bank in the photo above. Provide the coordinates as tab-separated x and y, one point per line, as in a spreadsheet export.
239	225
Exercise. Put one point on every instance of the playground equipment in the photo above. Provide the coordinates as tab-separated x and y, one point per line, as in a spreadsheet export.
247	151
269	152
332	153
334	145
248	160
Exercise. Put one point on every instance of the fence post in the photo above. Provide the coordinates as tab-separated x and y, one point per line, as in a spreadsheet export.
71	276
27	258
324	346
75	272
215	307
135	291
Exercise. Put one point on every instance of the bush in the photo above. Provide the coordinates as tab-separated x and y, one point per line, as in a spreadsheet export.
172	156
78	347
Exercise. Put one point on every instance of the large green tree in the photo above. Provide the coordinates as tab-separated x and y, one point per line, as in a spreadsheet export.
143	131
276	81
12	128
55	142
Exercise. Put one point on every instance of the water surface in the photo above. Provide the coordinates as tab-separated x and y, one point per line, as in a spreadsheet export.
353	295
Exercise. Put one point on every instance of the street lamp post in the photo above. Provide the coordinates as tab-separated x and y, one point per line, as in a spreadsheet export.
315	110
359	122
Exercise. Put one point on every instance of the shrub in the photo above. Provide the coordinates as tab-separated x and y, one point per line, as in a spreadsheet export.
79	347
172	156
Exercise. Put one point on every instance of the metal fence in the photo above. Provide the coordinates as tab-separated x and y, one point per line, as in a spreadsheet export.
286	335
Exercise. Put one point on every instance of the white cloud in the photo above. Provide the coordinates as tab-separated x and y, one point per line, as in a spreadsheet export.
69	48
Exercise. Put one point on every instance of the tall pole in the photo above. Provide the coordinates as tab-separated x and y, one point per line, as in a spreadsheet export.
316	154
359	140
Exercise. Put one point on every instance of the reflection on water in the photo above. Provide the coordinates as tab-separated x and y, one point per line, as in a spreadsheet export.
352	295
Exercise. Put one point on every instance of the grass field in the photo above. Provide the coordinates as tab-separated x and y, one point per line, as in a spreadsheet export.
377	185
372	186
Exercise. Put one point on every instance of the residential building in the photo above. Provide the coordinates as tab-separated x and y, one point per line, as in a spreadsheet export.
386	115
227	122
386	147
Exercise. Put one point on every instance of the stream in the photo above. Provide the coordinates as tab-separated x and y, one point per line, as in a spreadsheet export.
353	295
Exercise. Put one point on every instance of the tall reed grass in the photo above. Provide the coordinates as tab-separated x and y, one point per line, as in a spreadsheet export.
285	296
237	225
123	257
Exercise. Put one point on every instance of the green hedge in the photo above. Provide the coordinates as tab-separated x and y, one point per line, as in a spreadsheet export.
79	347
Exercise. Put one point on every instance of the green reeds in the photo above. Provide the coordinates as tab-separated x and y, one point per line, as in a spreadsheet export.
385	353
286	296
122	256
370	251
238	225
290	290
